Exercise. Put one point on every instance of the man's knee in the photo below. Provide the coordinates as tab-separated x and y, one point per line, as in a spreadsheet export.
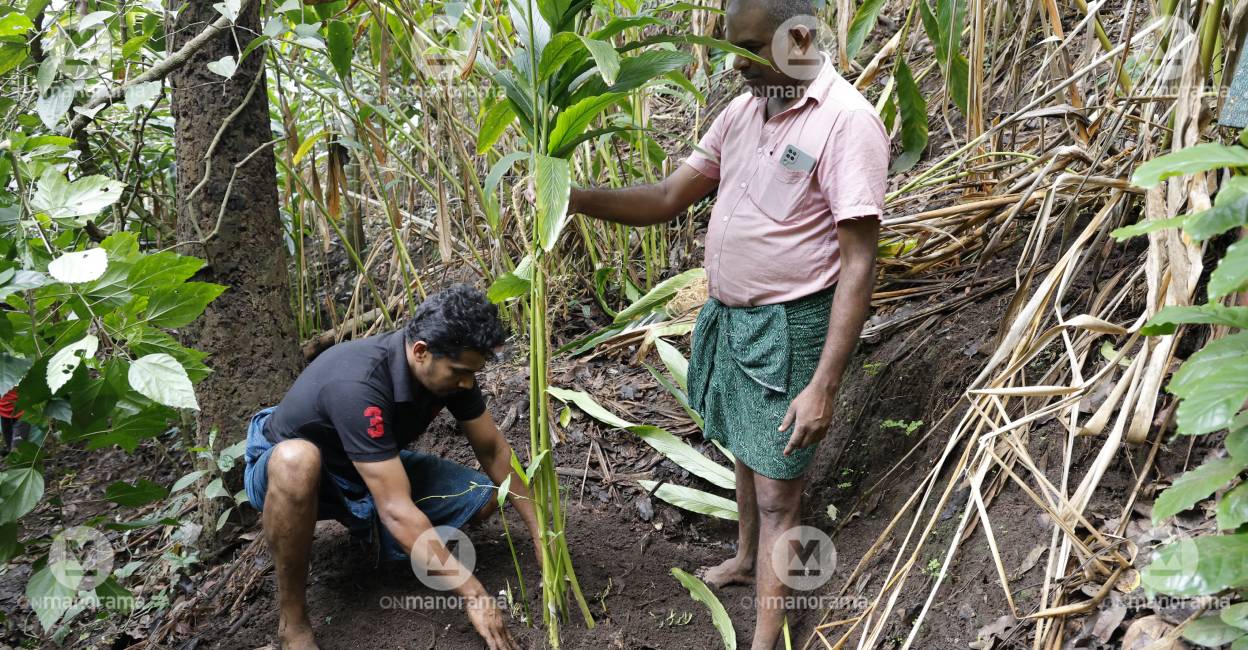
778	501
294	466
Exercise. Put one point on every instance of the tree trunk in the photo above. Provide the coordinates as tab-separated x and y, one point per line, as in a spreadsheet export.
249	332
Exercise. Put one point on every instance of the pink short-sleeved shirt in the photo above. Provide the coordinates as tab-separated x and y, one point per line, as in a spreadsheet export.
772	235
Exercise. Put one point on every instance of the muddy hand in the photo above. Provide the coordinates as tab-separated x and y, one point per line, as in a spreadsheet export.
488	621
810	415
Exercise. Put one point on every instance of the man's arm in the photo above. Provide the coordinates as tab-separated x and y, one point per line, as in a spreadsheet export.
644	205
392	492
811	412
494	452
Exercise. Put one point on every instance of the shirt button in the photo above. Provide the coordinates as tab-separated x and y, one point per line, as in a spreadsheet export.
759	150
742	185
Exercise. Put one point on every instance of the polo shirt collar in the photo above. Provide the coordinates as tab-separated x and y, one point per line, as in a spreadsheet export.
400	375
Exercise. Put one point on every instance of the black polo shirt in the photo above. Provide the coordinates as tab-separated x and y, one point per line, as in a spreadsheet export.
358	401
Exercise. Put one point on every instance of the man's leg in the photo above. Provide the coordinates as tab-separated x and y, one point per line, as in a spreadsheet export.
289	517
739	569
779	509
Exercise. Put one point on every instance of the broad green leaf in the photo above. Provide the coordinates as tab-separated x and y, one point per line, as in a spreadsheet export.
619	24
129	430
122	246
142	492
12	370
20	491
590	406
554	186
497	118
1235	188
1223	216
146	340
675	362
670	446
15	24
504	489
224	66
1211	314
1210	632
1237	441
1235	615
1232	273
65	201
605	56
499	169
307	145
635	72
512	285
79	266
1198	567
142	95
686	498
492	180
341	46
569	147
913	120
9	546
132	47
685	456
1199	158
23	280
562	47
11	56
114	596
696	39
1233	508
1212	384
53	105
1195	486
163	269
216	490
160	378
555	12
719	616
48	597
1147	226
862	24
659	295
179	305
678	393
576	118
65	361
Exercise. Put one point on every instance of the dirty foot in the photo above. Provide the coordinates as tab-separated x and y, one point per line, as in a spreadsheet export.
297	636
733	571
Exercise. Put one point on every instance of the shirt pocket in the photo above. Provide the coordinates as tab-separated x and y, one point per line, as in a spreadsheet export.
778	191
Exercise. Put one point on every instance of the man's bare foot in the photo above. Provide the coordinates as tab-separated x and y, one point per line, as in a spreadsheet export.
296	636
733	571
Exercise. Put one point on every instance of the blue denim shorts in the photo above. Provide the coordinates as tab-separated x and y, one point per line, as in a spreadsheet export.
447	492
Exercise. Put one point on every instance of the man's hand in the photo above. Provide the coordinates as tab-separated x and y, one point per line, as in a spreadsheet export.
488	621
810	415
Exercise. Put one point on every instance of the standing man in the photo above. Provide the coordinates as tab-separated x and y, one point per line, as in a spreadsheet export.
800	163
334	448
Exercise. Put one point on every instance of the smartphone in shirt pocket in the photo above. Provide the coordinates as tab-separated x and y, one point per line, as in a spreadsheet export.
782	183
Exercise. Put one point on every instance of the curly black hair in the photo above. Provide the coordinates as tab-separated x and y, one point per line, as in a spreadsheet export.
456	319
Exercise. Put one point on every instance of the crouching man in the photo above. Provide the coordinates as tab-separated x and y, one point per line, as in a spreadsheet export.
334	448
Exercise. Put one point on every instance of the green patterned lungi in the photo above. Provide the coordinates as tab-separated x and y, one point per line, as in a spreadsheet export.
746	367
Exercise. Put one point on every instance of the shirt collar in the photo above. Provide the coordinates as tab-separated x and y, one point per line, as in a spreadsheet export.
400	374
818	89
